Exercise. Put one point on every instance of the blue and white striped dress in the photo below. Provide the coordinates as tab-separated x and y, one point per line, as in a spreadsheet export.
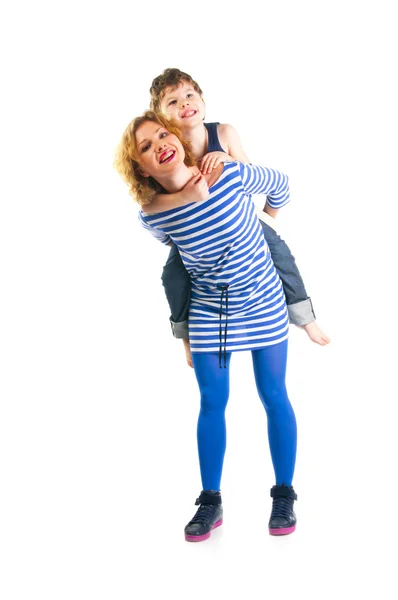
222	245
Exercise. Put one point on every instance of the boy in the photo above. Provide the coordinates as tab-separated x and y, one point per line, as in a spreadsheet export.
176	95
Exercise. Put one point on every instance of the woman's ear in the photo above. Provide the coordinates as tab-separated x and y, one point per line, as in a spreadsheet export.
142	172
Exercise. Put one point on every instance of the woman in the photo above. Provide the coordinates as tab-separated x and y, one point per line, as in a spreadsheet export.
237	300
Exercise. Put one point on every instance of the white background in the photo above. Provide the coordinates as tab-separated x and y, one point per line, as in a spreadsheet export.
99	470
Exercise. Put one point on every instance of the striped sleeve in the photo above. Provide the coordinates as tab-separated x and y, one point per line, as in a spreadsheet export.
157	233
260	180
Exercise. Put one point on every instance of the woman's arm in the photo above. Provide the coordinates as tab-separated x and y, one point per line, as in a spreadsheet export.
272	212
234	145
260	180
157	233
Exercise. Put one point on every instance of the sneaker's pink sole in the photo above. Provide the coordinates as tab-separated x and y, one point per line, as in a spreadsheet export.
201	538
282	531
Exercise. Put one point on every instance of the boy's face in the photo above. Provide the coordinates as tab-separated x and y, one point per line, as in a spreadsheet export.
184	105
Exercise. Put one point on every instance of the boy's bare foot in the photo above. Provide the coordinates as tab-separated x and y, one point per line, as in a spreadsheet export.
316	334
188	353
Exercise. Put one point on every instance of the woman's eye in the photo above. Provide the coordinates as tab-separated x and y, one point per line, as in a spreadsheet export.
145	148
163	134
172	102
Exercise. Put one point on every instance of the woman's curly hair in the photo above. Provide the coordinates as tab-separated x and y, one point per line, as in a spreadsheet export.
127	158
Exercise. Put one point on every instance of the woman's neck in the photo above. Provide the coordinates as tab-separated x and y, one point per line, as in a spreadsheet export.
175	182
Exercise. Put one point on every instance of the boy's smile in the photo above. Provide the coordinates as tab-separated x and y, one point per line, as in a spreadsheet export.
186	114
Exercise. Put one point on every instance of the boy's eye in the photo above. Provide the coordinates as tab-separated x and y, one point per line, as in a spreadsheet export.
172	102
189	95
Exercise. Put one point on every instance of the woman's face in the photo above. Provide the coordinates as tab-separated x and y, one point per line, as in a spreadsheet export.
159	151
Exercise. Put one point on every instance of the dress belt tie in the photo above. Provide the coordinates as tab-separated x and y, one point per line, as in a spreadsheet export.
224	289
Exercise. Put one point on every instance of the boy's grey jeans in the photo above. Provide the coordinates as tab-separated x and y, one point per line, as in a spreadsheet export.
177	285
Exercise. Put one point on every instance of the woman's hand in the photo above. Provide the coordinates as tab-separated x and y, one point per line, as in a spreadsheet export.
211	160
188	353
196	189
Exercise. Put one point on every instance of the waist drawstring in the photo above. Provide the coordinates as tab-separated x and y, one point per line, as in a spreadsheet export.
224	288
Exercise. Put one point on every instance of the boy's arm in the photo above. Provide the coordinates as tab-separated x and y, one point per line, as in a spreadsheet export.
229	139
162	202
195	190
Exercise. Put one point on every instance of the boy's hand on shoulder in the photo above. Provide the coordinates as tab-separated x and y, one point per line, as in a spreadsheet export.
196	189
211	160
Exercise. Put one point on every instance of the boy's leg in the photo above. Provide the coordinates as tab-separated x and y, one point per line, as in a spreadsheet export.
298	303
177	286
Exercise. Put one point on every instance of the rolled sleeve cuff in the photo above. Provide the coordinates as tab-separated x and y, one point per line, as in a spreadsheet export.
180	329
301	313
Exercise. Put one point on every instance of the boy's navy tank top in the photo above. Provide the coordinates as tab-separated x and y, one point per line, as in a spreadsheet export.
214	143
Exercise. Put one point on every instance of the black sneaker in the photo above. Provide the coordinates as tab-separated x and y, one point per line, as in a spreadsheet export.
283	519
208	516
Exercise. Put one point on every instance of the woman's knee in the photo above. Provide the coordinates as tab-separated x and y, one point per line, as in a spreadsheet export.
274	397
212	401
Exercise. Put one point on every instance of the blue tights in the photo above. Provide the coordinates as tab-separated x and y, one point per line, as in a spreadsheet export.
269	366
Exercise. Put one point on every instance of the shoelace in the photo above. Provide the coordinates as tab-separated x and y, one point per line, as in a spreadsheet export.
282	507
204	514
224	288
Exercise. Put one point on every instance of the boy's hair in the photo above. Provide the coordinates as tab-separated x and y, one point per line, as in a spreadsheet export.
170	78
126	160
